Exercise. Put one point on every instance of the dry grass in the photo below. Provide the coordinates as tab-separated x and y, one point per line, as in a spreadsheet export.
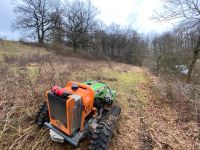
148	120
174	121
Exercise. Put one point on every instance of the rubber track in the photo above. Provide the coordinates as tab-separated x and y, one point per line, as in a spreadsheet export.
102	135
42	115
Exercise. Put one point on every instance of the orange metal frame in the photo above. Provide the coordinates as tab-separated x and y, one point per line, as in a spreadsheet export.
87	96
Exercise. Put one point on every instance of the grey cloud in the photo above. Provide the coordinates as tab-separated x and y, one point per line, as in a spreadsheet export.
6	16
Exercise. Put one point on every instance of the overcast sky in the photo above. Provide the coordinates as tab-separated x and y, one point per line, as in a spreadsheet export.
124	12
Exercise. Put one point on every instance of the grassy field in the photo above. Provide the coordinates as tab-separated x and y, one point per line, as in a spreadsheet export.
13	48
148	120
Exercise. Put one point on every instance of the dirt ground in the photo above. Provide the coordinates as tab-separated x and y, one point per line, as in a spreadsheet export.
148	119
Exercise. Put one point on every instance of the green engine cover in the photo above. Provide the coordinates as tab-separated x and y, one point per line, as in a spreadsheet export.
101	90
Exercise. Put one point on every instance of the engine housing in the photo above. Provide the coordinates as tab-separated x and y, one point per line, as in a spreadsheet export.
68	114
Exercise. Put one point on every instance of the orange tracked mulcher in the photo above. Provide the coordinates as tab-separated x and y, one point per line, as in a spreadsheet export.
76	111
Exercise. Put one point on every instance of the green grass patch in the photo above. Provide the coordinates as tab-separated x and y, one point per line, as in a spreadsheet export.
11	48
128	85
32	71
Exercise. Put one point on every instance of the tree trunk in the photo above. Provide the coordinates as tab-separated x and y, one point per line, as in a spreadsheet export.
38	36
41	41
75	45
157	67
195	57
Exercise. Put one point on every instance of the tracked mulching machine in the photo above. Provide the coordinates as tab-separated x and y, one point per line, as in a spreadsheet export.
80	110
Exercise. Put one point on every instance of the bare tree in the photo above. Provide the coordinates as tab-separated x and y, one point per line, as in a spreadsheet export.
36	17
188	11
57	35
79	22
120	44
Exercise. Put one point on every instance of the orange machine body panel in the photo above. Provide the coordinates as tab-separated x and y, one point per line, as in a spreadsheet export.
87	98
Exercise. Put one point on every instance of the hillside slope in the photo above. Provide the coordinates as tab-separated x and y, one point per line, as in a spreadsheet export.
148	120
